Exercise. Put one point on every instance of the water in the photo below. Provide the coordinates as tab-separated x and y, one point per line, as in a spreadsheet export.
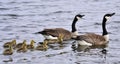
19	19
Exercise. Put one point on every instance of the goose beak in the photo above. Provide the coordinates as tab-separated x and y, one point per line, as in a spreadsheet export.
82	16
112	14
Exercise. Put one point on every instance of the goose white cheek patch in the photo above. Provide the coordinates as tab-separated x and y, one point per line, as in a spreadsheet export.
107	17
78	18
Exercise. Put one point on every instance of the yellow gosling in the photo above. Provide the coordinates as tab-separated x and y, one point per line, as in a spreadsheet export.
12	43
19	45
8	51
31	46
59	40
42	46
23	48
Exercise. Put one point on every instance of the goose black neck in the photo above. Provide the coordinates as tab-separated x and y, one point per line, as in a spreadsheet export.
104	26
73	24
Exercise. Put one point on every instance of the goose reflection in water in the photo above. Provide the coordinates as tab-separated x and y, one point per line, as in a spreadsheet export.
85	48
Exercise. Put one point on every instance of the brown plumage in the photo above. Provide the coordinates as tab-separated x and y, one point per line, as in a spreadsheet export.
92	38
54	33
95	39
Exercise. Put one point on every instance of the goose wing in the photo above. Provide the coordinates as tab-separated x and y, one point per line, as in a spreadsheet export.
51	32
56	32
92	38
66	34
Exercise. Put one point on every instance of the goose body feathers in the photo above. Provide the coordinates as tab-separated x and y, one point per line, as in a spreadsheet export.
54	32
91	39
95	39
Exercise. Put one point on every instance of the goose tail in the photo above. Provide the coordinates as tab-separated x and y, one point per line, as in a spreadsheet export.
41	32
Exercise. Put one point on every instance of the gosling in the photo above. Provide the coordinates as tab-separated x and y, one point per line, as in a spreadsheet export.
8	44
42	46
59	40
19	45
23	48
31	45
8	51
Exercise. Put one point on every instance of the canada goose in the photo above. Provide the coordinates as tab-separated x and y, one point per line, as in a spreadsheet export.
23	48
8	51
42	46
95	39
31	46
19	45
12	43
54	33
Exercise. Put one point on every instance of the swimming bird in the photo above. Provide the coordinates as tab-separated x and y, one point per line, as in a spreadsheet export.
31	46
54	32
59	40
23	48
19	45
42	46
12	43
96	39
8	51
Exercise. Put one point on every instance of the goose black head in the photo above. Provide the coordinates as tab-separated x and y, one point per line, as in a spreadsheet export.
78	16
107	16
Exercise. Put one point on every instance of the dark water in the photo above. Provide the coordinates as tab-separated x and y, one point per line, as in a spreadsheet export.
19	19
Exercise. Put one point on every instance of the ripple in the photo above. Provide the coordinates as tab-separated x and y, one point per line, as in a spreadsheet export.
6	29
53	13
62	12
13	15
116	21
4	9
97	24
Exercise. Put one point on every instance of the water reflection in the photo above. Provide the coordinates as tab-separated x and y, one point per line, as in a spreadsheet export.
82	51
9	59
86	48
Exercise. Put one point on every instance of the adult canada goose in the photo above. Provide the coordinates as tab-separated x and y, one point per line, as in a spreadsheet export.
95	39
54	33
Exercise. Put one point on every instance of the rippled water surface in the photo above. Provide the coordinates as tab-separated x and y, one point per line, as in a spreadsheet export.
20	19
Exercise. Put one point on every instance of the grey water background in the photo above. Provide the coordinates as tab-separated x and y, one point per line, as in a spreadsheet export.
19	19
